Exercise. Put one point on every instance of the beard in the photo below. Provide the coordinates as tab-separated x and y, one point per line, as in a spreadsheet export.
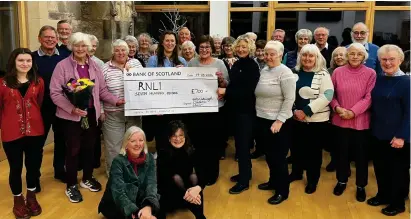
362	42
64	37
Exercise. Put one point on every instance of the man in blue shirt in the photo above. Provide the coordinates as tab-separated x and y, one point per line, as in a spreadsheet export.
359	34
46	59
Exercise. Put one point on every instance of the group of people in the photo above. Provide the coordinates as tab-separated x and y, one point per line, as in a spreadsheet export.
345	99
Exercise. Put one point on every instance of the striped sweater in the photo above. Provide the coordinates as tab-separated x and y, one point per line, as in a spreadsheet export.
114	78
313	94
353	88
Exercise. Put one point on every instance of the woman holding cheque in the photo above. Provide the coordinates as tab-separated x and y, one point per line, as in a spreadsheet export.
76	68
208	146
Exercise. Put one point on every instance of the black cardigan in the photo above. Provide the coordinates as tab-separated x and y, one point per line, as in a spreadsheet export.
244	77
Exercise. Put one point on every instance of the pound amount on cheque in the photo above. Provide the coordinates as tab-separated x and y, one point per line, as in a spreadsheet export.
198	91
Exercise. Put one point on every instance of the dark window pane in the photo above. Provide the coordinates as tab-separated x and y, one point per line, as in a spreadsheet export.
171	2
291	2
392	27
243	22
249	3
155	22
292	21
392	3
8	33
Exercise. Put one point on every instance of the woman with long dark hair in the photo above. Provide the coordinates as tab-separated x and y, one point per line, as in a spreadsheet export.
179	184
167	56
22	129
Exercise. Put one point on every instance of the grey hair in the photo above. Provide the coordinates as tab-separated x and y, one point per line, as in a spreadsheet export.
304	32
47	27
146	35
250	43
335	52
188	44
153	48
360	47
129	133
217	37
326	30
79	37
361	23
251	34
277	46
93	38
119	42
131	39
320	63
390	47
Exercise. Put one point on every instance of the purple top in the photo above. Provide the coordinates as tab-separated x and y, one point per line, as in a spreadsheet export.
83	71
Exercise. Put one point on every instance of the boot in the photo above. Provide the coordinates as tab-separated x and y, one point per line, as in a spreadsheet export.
20	210
32	203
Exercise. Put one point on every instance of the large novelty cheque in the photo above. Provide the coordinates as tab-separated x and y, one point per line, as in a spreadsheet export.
156	91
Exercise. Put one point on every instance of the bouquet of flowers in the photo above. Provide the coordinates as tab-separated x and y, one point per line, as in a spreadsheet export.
80	92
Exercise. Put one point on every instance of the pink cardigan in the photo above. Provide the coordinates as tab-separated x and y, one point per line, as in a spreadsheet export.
352	91
64	71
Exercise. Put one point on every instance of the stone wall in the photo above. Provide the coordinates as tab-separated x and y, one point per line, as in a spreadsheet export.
106	20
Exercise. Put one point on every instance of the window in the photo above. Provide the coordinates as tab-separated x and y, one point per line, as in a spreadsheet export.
156	22
296	2
249	4
392	3
392	27
243	22
292	21
9	31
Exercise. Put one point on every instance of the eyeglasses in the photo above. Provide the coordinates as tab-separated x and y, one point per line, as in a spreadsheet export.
391	60
205	47
357	33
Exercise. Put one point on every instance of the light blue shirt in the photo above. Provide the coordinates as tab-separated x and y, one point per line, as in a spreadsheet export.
396	74
152	62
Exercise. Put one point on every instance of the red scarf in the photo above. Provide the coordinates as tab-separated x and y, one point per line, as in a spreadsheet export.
136	161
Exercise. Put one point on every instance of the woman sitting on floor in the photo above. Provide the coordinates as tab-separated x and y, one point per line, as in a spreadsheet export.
131	190
179	185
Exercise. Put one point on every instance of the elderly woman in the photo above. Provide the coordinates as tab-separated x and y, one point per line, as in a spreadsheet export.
227	53
390	125
259	53
144	42
131	190
167	56
94	44
188	51
302	37
252	36
153	49
338	59
275	95
76	66
132	48
217	45
314	91
178	183
353	84
240	98
208	145
115	123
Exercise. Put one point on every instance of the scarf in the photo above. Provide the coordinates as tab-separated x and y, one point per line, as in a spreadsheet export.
136	162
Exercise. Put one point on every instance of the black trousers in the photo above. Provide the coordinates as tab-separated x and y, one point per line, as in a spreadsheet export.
352	141
307	149
391	166
244	140
79	141
275	147
206	135
48	112
31	148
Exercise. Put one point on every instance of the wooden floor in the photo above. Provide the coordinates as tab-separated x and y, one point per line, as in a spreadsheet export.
251	204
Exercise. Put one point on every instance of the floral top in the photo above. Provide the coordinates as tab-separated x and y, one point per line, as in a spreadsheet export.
143	57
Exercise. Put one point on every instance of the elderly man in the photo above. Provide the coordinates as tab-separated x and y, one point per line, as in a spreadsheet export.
184	34
64	30
359	34
279	35
46	59
321	36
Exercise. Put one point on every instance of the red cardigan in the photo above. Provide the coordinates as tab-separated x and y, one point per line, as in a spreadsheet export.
21	116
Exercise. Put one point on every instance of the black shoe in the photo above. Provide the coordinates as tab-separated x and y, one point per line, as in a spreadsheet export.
331	166
238	188
265	186
376	201
74	194
38	186
392	211
289	160
92	184
339	188
277	199
60	176
310	188
235	178
293	177
256	154
361	194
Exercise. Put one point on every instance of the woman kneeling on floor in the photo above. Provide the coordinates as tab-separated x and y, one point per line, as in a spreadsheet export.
131	190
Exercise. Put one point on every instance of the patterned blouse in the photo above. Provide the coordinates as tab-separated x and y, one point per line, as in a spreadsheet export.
143	57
